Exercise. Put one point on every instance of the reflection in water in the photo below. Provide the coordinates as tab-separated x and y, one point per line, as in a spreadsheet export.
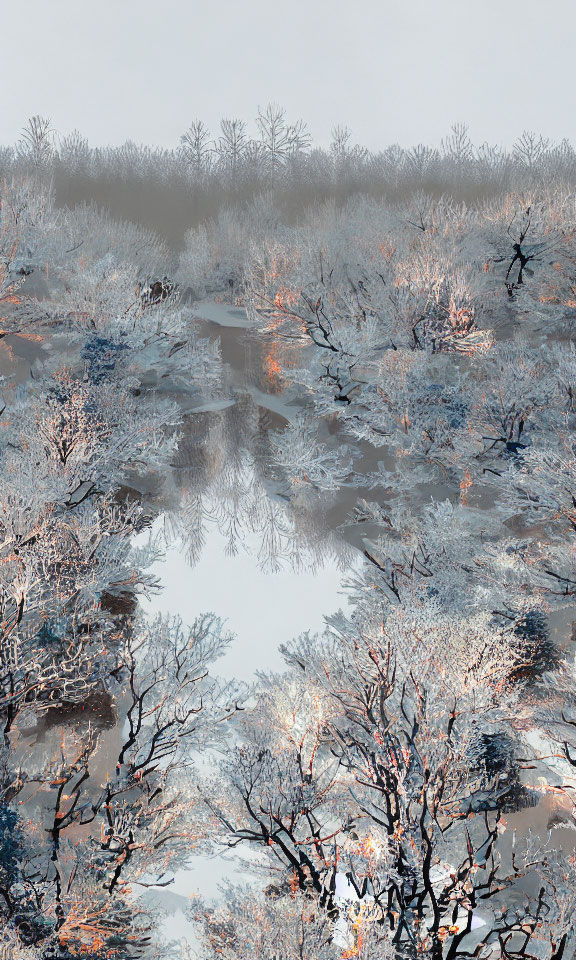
263	609
222	474
296	600
268	557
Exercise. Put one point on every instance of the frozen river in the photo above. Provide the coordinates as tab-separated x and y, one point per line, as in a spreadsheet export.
264	602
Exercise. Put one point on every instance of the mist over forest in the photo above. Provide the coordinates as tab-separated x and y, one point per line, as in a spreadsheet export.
210	171
251	381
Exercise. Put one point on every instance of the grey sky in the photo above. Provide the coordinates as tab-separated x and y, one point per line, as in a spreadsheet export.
393	71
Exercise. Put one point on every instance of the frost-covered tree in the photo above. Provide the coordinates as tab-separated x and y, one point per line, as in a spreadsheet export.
196	147
379	771
137	826
232	144
36	144
280	140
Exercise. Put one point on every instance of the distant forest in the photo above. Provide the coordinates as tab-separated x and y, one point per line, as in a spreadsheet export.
170	191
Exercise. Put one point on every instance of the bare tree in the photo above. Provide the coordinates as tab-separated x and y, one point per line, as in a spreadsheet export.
196	147
36	144
278	139
232	144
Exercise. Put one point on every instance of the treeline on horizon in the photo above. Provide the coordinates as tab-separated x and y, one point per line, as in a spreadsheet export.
172	190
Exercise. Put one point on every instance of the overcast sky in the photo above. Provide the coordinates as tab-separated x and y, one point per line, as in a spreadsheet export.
392	70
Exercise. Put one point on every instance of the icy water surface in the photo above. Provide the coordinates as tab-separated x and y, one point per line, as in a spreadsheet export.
270	569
